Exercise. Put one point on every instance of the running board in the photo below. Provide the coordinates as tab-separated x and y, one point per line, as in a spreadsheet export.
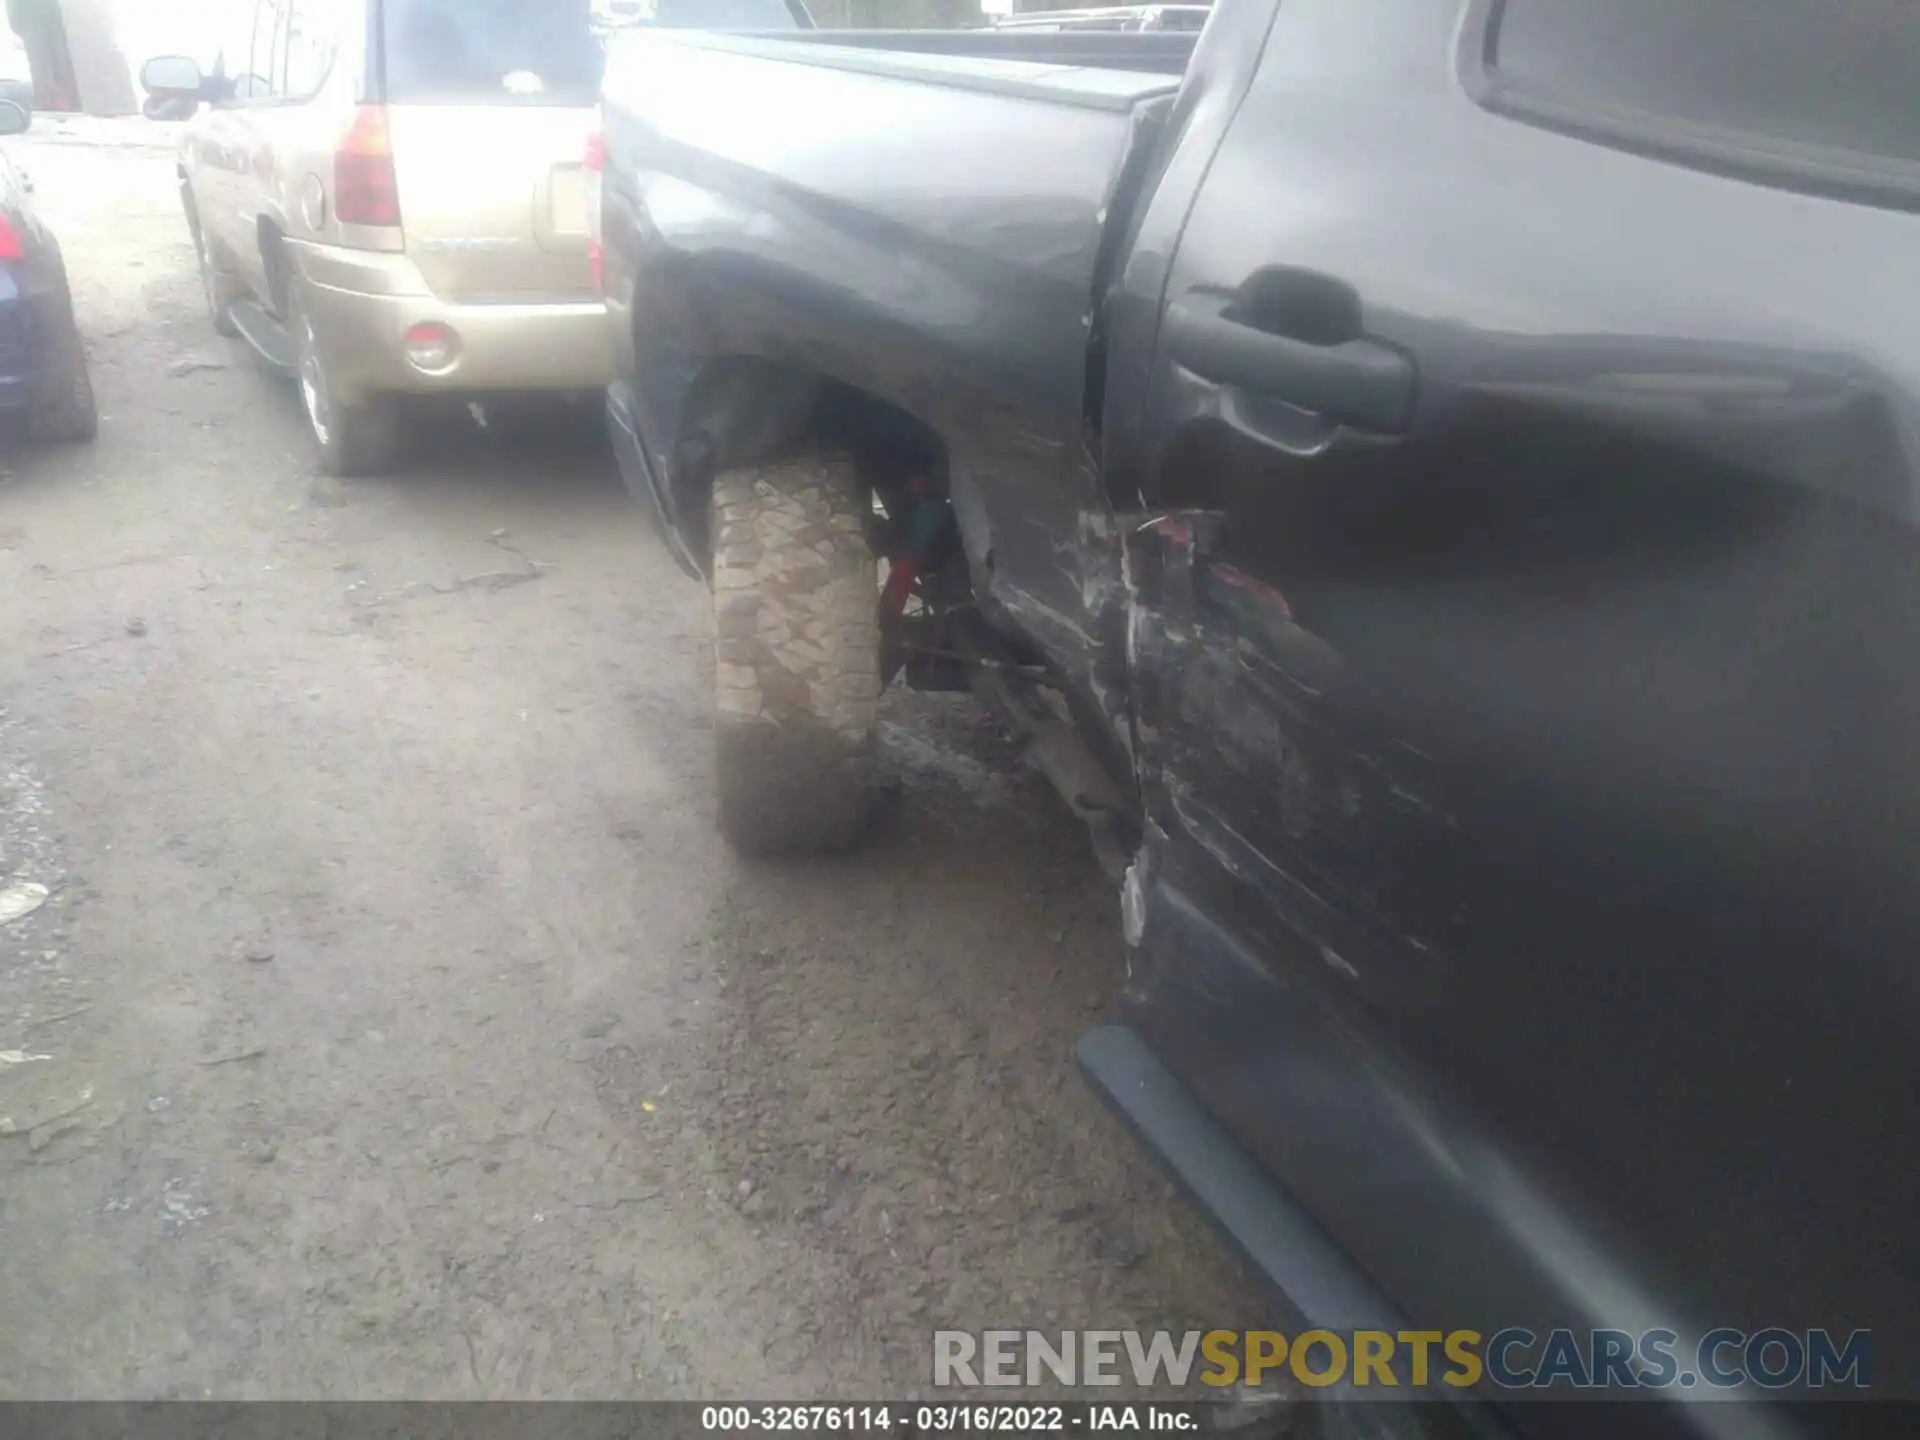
1310	1275
266	334
1282	1244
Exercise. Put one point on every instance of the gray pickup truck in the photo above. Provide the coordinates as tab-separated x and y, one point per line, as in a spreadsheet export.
1436	483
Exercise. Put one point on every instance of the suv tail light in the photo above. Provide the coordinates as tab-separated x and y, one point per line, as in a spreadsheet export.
365	191
11	247
596	168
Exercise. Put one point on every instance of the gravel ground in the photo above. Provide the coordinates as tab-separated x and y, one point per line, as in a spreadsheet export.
407	1030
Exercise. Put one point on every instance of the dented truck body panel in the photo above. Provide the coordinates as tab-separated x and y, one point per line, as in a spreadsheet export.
950	272
1515	663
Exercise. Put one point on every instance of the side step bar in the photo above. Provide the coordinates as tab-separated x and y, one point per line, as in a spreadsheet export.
1313	1277
266	334
1282	1244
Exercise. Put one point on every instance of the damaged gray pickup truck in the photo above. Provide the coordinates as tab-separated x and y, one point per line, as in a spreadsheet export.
1435	483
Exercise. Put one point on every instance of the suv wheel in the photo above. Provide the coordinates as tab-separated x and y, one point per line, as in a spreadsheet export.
351	437
796	654
218	289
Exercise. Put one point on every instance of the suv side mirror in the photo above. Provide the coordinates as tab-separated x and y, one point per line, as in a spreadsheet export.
173	77
15	118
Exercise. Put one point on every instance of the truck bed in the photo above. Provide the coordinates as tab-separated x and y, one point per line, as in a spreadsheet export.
1154	52
1107	71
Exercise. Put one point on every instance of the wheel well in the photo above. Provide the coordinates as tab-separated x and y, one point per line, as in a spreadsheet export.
745	409
273	257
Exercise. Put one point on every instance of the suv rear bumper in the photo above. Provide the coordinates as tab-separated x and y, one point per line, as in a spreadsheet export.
363	303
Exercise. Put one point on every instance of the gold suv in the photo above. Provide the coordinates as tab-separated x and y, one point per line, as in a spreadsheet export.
389	197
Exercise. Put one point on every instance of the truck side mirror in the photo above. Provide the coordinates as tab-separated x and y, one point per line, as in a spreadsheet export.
15	118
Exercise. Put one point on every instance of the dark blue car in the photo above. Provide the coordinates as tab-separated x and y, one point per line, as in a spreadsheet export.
43	364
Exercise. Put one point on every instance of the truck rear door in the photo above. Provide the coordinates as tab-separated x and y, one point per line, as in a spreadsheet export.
490	106
1529	657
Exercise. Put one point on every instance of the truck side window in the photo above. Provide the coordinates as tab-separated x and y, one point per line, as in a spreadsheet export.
1833	75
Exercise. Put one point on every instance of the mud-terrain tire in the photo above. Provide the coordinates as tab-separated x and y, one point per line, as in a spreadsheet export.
796	654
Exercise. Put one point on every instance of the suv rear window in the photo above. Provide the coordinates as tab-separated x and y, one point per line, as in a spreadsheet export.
497	52
1835	75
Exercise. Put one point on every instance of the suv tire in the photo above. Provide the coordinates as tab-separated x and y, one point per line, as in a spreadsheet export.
796	654
219	289
350	437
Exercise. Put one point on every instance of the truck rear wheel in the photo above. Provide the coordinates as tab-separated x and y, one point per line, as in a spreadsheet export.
796	654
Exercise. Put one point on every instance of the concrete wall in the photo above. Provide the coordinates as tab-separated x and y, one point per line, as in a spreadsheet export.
77	64
99	66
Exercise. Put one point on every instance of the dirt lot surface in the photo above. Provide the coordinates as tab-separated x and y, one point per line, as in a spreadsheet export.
397	1025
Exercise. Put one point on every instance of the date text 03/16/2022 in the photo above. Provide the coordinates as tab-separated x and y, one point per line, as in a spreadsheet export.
951	1419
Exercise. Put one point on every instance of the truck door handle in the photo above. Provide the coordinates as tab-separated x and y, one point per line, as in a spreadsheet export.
1360	382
